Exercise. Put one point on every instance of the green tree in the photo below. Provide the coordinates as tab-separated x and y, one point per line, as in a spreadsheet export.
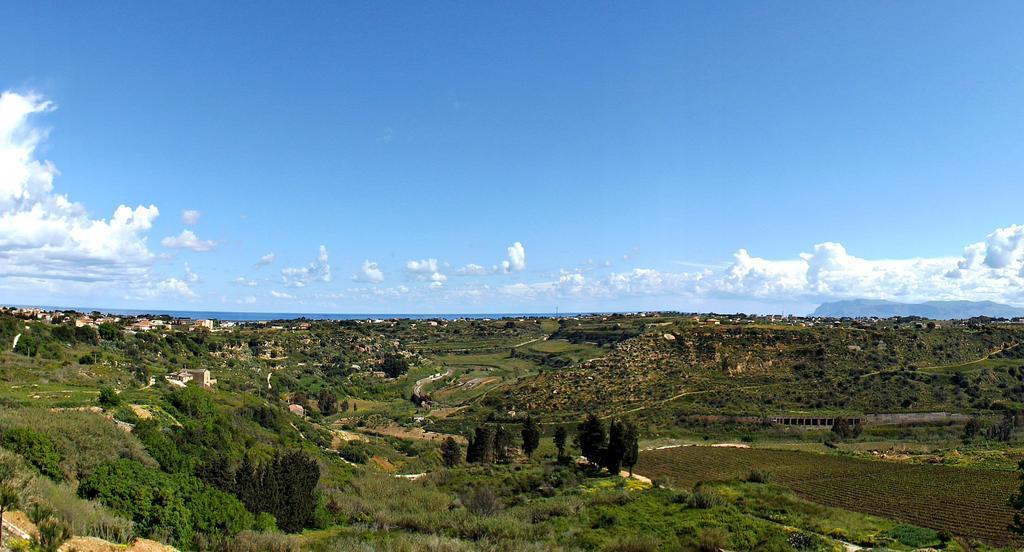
284	486
451	453
177	505
35	447
328	402
87	335
971	429
561	435
591	438
503	444
63	333
531	436
481	446
109	398
110	331
394	365
616	449
845	428
632	452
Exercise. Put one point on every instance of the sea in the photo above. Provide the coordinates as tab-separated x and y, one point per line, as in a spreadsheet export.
269	316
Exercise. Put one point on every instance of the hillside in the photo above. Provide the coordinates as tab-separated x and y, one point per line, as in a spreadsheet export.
745	369
933	310
334	435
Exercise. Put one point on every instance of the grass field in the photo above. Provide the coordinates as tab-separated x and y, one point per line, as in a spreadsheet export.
478	374
967	502
576	352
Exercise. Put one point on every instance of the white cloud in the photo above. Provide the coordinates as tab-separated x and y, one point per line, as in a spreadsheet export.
516	258
247	300
369	272
317	271
437	279
989	270
174	286
1002	248
187	239
281	295
46	237
242	281
189	217
266	259
471	270
190	276
423	266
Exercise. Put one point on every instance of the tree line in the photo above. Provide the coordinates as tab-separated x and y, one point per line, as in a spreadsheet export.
612	447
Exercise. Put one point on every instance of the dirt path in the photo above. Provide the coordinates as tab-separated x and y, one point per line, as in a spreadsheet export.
418	388
684	394
945	366
545	338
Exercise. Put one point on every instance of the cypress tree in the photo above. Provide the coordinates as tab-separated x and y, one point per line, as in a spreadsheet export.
560	437
503	443
481	448
632	453
616	448
591	438
451	453
531	436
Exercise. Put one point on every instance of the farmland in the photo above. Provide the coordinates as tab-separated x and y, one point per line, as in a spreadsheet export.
970	502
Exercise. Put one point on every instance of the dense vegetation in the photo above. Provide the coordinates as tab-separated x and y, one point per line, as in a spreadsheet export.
469	435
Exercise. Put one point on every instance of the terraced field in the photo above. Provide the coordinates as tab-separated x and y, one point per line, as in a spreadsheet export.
967	502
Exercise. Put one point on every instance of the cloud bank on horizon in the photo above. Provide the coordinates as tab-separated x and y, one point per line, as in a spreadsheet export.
53	251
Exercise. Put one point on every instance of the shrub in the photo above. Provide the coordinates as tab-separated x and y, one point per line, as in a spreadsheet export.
805	541
52	533
126	415
163	505
604	520
264	523
36	448
355	452
109	398
910	535
86	518
633	544
712	540
704	500
758	476
482	501
252	541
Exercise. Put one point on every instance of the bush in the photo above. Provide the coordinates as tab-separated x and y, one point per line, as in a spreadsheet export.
264	523
175	507
712	540
482	501
52	533
252	541
126	415
705	500
805	541
87	518
633	544
36	448
758	476
108	398
910	535
355	452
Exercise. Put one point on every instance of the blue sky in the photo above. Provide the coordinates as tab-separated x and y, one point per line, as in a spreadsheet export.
755	156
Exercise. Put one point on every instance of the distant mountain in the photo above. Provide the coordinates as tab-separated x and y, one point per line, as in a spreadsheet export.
936	310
